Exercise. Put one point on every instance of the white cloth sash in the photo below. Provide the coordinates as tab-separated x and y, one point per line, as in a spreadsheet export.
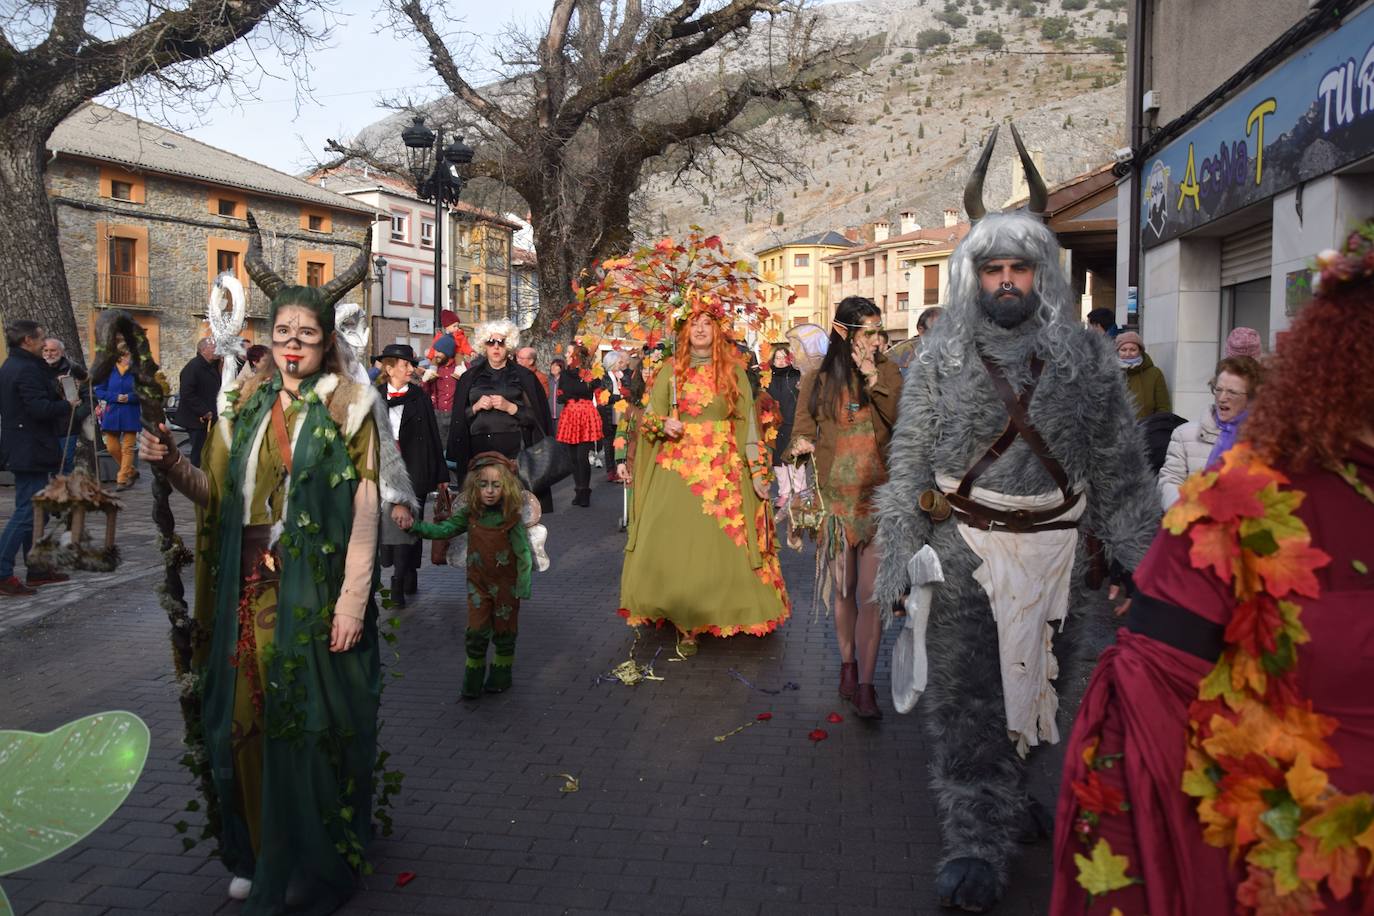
1027	577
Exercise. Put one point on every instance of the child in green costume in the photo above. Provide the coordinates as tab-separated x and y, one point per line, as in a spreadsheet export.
499	562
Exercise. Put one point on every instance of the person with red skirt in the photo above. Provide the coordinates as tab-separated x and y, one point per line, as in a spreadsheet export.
579	422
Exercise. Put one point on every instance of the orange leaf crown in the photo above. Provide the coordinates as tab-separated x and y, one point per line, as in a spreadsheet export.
644	296
1257	752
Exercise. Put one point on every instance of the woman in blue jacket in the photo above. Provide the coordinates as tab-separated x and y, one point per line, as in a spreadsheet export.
119	419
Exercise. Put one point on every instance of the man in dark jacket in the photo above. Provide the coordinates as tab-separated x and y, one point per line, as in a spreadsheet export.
196	411
63	369
33	418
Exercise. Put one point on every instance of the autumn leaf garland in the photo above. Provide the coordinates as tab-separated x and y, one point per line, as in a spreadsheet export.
1257	751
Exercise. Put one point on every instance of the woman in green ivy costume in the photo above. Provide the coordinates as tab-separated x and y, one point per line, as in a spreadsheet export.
287	666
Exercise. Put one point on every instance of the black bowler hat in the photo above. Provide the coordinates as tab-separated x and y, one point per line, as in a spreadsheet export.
399	351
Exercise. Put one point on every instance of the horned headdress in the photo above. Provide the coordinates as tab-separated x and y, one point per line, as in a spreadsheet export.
1019	234
319	299
973	191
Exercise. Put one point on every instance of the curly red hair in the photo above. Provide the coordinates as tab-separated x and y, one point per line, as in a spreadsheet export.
1318	392
725	358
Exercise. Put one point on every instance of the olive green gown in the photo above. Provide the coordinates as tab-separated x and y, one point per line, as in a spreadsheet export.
700	554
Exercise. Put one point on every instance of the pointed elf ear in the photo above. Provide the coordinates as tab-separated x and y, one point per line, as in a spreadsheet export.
840	329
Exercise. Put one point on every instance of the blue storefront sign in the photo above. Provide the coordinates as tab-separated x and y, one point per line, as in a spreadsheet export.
1309	116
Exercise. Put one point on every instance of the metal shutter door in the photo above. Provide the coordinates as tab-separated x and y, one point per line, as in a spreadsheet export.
1246	255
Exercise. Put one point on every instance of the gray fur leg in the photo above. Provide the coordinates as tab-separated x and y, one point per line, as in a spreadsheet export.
977	779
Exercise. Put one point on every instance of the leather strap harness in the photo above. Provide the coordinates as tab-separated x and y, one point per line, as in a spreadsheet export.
1019	425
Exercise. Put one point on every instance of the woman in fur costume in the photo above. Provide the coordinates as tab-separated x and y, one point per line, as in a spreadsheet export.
701	480
286	662
1223	757
844	417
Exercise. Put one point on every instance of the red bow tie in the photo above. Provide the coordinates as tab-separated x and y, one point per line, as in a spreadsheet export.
396	396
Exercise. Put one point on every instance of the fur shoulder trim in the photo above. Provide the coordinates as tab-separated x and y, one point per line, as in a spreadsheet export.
349	402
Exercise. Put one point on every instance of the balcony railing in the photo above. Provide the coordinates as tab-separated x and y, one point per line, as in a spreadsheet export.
126	290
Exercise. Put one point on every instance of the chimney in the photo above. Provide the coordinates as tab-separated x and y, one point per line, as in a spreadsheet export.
909	223
951	217
853	233
881	230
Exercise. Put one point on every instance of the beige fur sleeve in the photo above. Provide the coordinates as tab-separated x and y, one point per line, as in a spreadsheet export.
362	543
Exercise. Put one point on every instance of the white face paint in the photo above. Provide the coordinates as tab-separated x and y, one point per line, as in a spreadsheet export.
297	342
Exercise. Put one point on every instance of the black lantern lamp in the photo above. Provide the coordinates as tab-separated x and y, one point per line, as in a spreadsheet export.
436	169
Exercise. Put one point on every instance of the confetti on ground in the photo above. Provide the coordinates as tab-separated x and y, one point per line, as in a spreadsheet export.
764	716
570	783
790	685
631	672
834	718
405	878
818	734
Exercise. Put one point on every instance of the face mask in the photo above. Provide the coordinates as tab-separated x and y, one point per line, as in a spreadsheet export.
1131	363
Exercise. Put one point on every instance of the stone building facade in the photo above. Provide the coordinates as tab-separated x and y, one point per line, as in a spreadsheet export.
903	274
147	218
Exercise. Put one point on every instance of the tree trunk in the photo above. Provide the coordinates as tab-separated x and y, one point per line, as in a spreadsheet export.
33	282
556	274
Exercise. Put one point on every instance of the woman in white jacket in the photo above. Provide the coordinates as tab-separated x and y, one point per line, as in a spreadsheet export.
1200	444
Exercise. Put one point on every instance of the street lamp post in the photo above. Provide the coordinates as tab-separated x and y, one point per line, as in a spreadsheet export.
435	169
379	268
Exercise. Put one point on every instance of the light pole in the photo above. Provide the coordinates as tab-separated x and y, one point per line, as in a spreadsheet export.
435	169
379	273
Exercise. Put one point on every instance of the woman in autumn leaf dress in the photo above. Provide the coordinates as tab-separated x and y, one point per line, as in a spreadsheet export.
1223	757
700	553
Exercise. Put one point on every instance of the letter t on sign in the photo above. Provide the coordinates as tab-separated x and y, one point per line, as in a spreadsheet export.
1256	122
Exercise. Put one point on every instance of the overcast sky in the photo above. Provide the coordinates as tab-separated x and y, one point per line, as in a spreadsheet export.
366	61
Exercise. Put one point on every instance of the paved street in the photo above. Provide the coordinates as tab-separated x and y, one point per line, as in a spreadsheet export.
666	820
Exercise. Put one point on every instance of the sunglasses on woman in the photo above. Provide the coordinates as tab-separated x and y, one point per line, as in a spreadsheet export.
496	342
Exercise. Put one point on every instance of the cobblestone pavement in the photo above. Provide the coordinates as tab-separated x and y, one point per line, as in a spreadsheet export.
667	819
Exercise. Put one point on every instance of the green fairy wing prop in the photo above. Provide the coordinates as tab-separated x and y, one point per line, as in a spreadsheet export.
57	788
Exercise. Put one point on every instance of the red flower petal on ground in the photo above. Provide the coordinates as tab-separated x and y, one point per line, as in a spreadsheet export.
764	716
834	718
818	734
624	612
405	878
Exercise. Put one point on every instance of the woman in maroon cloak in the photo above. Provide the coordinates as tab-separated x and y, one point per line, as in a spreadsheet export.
1223	757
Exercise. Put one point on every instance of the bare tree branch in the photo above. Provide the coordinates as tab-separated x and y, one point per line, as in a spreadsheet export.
442	61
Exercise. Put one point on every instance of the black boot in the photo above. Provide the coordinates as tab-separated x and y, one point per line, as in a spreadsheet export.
583	498
398	593
412	580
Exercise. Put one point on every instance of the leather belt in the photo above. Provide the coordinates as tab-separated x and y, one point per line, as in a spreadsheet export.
987	518
1019	521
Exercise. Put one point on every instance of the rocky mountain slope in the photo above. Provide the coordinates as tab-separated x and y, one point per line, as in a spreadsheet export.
914	119
918	119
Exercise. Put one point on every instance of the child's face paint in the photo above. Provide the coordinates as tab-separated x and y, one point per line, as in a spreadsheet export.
489	486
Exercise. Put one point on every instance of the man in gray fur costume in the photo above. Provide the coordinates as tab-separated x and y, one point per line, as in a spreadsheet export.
1008	391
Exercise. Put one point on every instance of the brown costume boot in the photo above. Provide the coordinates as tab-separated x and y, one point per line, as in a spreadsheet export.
849	679
866	703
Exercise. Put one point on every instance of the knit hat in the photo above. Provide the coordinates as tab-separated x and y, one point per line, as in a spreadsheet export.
1244	342
446	318
1126	337
446	345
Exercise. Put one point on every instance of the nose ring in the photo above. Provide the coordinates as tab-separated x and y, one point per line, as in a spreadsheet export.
1008	286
